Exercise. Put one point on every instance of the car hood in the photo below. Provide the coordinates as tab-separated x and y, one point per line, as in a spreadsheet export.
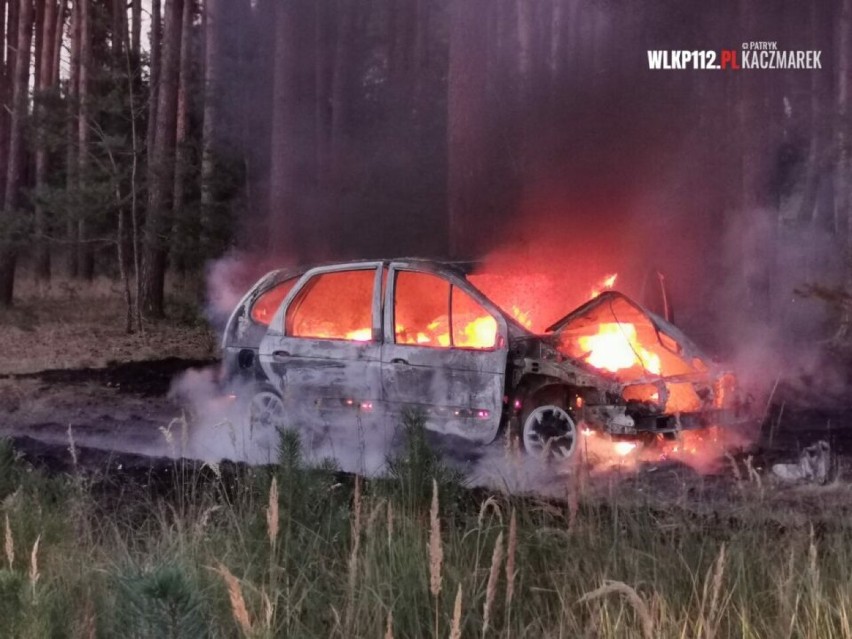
619	339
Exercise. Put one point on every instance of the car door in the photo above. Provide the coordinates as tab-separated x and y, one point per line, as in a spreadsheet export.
323	347
444	352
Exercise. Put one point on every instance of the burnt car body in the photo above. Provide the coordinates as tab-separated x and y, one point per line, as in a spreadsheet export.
382	337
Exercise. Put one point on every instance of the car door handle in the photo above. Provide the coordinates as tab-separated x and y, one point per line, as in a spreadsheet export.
399	360
280	354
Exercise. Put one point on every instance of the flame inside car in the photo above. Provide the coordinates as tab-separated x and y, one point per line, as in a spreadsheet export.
615	347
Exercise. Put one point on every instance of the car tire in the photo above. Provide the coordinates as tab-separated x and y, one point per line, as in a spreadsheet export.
547	430
262	420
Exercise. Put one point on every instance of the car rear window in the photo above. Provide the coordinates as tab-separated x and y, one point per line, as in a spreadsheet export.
264	308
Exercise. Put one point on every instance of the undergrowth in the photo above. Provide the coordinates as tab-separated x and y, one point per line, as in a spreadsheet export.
293	550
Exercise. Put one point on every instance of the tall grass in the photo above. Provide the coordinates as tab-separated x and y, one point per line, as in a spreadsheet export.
300	551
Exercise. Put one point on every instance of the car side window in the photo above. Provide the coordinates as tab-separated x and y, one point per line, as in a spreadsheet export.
422	314
421	310
336	305
264	307
473	326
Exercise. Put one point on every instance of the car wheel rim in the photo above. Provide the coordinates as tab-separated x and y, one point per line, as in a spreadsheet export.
550	430
266	411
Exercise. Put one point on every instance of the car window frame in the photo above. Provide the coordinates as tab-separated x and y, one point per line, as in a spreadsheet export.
500	340
279	321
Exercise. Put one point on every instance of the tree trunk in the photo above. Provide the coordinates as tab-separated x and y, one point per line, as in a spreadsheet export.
119	31
467	135
557	44
526	23
161	167
341	90
56	45
41	251
72	168
10	46
841	173
210	128
806	212
5	97
324	74
282	216
38	40
181	235
14	176
136	29
154	74
86	252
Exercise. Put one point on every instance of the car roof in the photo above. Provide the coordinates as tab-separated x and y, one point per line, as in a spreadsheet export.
459	268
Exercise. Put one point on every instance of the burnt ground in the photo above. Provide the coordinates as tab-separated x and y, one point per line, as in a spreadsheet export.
117	414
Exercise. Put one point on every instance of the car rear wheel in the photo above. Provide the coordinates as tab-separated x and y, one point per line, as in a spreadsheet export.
549	431
264	418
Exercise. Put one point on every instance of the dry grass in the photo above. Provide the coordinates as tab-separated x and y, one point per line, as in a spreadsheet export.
34	573
353	554
638	604
9	545
491	588
238	602
272	515
82	326
436	550
455	626
511	571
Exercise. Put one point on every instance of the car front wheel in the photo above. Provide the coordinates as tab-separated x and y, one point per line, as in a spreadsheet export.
549	431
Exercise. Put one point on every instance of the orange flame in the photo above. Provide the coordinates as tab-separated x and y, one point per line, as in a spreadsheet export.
703	450
360	335
604	285
523	317
615	347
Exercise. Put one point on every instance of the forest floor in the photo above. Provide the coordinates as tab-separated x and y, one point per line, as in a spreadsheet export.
120	418
70	325
67	361
68	369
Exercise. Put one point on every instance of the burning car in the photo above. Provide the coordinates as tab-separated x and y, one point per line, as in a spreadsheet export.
383	337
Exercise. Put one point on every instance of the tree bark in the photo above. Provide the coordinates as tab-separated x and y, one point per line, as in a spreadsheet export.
841	174
161	167
72	161
324	75
526	24
119	31
557	44
806	212
341	90
136	29
210	128
86	251
282	215
56	45
467	135
154	75
5	96
181	236
14	176
38	40
41	251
